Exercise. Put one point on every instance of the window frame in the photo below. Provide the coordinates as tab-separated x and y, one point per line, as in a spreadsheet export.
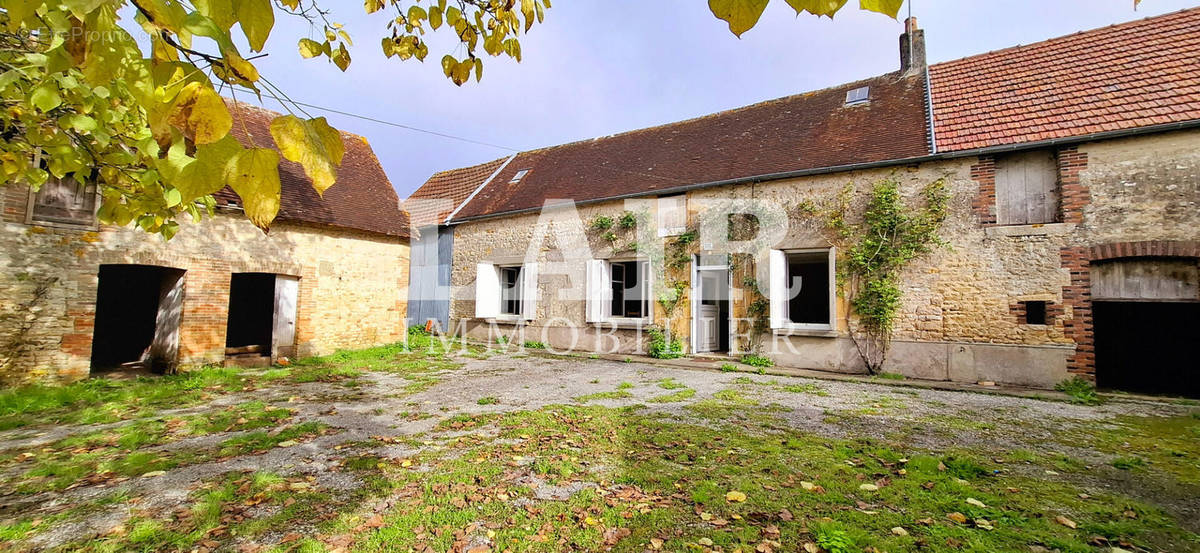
679	206
599	300
781	322
490	291
1003	164
516	291
32	218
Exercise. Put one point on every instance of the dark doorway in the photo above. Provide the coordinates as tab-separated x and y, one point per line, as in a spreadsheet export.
1147	347
251	314
138	308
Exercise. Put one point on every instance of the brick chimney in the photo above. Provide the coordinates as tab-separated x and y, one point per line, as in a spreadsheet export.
912	48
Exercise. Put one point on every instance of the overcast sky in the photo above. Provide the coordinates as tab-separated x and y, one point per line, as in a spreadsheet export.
597	67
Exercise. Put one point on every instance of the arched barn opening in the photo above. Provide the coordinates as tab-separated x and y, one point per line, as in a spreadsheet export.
1146	324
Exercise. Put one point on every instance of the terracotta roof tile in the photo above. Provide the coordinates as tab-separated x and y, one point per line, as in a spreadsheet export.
1120	77
454	186
804	131
361	199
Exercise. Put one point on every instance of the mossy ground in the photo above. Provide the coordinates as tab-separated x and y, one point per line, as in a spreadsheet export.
669	461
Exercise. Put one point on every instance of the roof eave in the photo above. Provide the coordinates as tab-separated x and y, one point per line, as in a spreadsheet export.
1004	148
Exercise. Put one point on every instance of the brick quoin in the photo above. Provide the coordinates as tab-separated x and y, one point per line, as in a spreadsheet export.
1078	294
1074	196
984	203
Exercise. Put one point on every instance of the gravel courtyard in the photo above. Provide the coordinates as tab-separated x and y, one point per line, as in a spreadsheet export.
392	450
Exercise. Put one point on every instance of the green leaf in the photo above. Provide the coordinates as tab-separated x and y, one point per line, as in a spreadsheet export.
172	197
310	48
255	177
313	144
448	64
257	18
741	15
45	97
888	7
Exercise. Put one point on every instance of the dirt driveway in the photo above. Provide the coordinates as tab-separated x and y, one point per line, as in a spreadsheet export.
378	451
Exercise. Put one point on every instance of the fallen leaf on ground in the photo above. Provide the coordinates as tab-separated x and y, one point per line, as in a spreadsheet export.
735	497
1065	521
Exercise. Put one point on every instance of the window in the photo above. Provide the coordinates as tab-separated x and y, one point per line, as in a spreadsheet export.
858	95
672	215
628	294
808	278
1027	188
510	290
1035	312
802	290
64	201
517	177
506	292
617	290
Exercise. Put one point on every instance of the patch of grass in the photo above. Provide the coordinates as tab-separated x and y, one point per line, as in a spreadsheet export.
670	384
888	376
1081	390
760	361
260	441
735	397
728	367
1128	463
617	394
624	385
677	396
489	400
804	389
534	345
100	400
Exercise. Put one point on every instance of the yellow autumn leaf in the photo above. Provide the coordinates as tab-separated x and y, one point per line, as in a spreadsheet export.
313	144
255	177
200	113
886	7
310	48
257	18
741	15
817	7
735	497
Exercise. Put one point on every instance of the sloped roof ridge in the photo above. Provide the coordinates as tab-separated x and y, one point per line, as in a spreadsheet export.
1066	37
722	113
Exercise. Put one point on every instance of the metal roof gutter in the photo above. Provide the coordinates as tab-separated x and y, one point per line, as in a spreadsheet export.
1023	146
929	112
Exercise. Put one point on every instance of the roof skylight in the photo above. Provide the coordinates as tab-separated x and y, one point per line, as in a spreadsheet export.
517	177
858	95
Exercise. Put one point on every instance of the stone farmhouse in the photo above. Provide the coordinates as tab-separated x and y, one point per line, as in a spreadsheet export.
77	297
1073	226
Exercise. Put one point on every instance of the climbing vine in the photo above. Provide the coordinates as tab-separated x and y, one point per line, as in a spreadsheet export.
876	250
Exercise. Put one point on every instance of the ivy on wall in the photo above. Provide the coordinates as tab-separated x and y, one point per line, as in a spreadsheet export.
875	250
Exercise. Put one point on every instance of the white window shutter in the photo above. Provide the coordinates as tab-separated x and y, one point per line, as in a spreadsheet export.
778	293
487	291
594	291
672	215
529	291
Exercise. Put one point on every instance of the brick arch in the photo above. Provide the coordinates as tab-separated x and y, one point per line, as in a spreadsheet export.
1151	248
1078	294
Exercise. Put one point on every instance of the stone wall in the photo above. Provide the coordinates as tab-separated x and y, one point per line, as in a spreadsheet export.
958	320
352	289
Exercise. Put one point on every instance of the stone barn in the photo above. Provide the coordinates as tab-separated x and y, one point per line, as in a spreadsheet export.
77	298
1072	167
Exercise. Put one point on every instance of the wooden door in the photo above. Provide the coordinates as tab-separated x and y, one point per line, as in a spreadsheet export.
283	334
